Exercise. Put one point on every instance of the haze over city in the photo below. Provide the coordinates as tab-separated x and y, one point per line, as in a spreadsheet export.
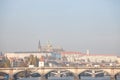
74	25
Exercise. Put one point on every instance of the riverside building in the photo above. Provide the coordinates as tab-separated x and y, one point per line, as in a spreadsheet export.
87	57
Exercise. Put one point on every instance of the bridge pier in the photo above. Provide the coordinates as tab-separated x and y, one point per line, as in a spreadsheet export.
43	77
11	79
76	77
11	74
112	77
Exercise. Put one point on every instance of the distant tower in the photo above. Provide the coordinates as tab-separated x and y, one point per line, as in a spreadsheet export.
88	53
49	47
39	46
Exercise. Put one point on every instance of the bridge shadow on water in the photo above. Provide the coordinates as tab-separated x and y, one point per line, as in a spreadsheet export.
94	73
26	74
60	75
97	75
4	76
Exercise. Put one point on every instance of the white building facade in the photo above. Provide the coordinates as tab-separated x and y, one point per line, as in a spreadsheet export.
95	58
25	54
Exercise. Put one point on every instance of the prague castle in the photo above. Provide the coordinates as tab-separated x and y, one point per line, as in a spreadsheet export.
46	50
70	56
49	48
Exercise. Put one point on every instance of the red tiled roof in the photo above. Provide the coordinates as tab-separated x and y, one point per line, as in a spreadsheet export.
101	55
72	53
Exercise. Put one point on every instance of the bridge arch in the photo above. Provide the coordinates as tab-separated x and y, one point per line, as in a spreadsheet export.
45	71
107	70
4	75
17	71
63	72
26	73
4	72
94	72
117	73
18	74
58	70
81	71
46	74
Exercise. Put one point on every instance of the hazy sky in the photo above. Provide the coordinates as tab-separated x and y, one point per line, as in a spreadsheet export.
75	25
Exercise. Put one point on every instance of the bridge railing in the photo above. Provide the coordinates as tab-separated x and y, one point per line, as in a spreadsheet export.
24	68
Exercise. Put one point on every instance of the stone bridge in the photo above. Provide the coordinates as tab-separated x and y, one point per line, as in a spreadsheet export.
112	71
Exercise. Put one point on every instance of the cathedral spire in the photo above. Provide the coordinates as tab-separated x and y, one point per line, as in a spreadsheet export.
39	46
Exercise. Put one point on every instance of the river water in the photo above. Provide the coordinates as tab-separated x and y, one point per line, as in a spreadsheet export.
71	78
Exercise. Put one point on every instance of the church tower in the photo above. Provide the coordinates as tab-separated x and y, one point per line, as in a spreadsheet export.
39	47
49	47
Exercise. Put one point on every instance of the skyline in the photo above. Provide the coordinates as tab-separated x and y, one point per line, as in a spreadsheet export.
74	25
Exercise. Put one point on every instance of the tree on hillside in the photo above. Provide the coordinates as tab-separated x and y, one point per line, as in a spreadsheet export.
7	63
1	64
26	61
31	59
35	61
